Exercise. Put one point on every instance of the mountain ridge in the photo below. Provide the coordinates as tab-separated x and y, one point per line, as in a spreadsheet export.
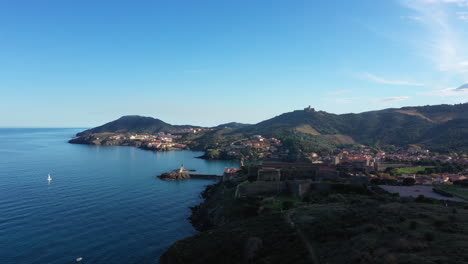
426	125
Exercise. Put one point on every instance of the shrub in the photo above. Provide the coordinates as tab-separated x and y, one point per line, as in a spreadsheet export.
286	205
375	181
409	181
441	192
420	198
463	183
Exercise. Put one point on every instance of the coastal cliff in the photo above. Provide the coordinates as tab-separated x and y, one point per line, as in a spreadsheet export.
234	232
342	223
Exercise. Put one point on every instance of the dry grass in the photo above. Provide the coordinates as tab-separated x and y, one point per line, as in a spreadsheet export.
307	129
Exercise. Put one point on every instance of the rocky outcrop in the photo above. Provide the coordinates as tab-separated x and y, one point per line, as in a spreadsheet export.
94	139
175	176
209	213
89	140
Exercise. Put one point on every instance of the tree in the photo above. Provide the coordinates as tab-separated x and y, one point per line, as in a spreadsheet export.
409	181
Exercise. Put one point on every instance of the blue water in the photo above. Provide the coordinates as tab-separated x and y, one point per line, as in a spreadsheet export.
103	203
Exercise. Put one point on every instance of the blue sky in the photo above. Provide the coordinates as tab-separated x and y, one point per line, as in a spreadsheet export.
82	63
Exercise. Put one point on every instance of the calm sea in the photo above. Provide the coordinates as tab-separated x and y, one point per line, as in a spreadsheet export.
103	203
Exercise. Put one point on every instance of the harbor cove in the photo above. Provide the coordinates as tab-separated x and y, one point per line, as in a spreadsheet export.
103	204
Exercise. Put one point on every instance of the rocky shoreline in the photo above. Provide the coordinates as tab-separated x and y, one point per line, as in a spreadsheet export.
92	140
232	232
321	227
174	176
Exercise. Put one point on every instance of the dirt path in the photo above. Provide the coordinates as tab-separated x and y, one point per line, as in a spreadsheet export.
416	190
308	245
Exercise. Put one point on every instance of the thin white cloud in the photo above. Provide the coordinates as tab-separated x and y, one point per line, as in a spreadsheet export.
392	99
377	79
449	92
445	45
458	2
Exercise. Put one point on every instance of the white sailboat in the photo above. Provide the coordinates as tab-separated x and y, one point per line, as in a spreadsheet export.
49	179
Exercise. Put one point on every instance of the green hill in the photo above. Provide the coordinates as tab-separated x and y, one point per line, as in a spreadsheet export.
439	127
373	128
131	124
448	136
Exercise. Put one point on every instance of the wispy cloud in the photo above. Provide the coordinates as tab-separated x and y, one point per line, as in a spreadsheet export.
449	92
392	99
458	2
444	46
377	79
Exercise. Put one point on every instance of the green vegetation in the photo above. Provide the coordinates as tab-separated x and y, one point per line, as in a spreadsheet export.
333	223
459	191
301	143
428	167
277	243
133	124
212	139
442	128
412	170
369	230
449	136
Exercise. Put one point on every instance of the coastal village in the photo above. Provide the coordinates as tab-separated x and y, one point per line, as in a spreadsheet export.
358	164
406	204
393	166
406	196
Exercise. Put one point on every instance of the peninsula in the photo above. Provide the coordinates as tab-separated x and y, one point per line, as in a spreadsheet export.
305	134
386	186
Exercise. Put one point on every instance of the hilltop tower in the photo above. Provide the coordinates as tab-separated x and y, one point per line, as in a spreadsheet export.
309	109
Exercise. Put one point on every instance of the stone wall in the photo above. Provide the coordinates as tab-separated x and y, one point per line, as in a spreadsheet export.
248	189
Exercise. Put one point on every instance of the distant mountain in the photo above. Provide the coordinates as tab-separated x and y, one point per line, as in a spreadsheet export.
442	127
232	125
367	128
407	125
449	136
132	124
437	113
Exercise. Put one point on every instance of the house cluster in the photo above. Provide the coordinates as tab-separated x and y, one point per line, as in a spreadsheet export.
362	161
117	137
417	155
163	141
230	173
265	147
159	141
192	130
370	157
